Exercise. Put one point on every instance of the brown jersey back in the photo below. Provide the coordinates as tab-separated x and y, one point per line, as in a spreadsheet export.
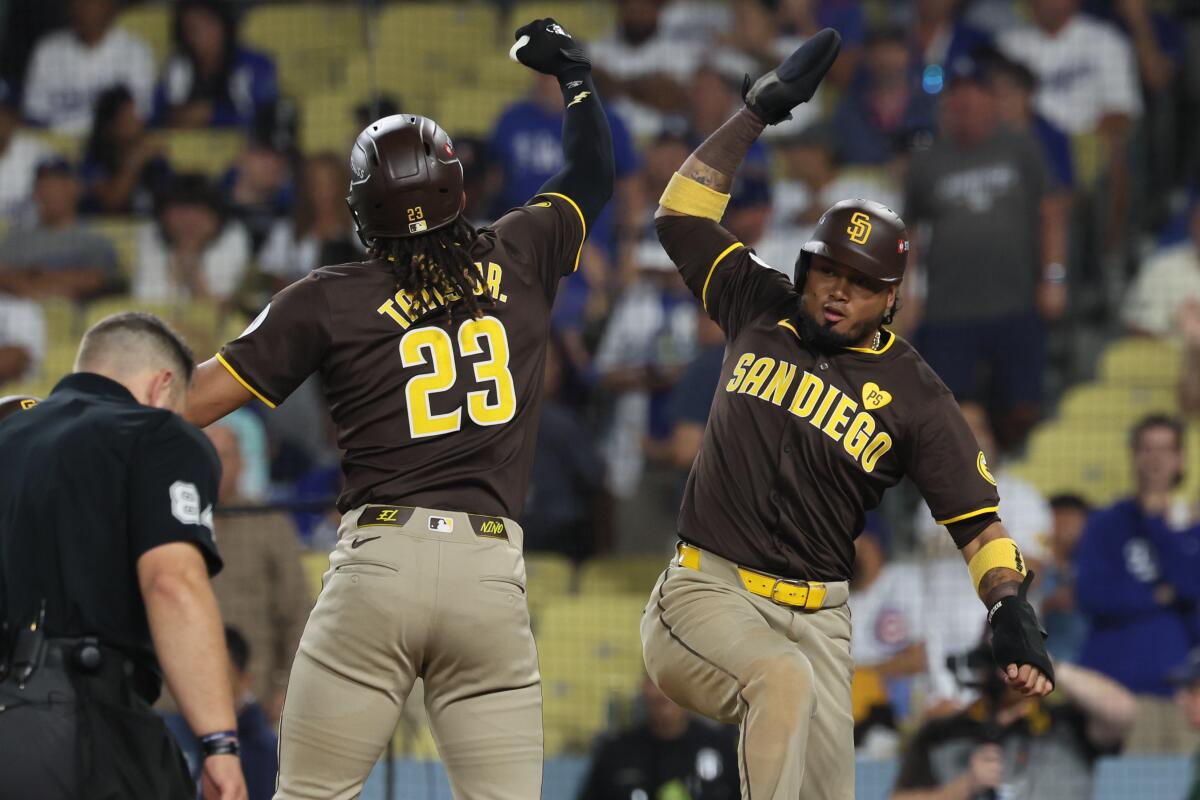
429	411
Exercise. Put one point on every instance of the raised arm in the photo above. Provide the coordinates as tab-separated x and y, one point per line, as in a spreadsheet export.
587	175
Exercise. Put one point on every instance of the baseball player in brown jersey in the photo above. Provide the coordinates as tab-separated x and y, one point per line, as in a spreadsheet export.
431	354
819	410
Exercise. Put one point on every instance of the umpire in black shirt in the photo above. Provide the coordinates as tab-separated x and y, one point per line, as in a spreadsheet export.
106	548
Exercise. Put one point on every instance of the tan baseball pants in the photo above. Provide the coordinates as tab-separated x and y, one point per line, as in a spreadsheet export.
417	593
782	674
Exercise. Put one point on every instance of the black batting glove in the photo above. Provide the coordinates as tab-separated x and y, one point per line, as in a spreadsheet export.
1017	636
773	96
544	46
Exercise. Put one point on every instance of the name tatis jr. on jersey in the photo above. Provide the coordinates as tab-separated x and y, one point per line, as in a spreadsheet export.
405	309
826	407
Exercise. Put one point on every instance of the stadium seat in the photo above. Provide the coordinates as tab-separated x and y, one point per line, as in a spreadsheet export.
472	111
327	123
67	145
590	653
123	233
315	562
633	575
1114	405
1141	361
587	20
204	325
311	43
547	577
152	23
1083	459
210	152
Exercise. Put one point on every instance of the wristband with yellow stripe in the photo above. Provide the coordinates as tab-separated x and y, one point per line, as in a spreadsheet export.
998	553
694	199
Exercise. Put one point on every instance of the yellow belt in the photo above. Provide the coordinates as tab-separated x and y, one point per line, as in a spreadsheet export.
809	595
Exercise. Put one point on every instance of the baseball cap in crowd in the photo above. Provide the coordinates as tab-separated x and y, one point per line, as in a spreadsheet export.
965	68
53	165
1187	673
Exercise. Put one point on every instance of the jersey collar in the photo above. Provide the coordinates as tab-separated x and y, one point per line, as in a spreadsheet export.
889	339
93	384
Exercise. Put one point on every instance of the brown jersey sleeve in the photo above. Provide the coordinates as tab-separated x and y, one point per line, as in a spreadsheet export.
283	345
945	462
548	232
733	286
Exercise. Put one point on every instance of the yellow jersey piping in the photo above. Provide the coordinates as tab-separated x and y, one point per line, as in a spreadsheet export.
243	382
582	222
891	340
712	269
968	515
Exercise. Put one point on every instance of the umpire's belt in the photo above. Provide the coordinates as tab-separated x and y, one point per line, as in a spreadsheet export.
807	595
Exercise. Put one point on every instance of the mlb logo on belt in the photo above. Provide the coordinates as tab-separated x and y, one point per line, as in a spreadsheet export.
441	525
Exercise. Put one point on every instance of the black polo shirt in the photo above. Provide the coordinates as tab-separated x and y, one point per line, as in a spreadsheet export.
90	480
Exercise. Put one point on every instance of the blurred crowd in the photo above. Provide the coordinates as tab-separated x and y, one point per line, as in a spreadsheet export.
1043	153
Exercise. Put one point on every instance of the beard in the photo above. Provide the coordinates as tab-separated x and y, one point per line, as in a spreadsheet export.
824	338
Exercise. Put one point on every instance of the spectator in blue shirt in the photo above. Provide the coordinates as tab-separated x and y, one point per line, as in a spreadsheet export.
1056	579
692	397
1013	85
884	110
212	81
1138	570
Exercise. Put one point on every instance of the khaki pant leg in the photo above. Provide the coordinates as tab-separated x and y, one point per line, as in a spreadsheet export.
711	648
824	637
482	684
356	665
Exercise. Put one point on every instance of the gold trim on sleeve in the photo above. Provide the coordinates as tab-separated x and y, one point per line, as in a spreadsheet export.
968	515
243	382
712	269
582	222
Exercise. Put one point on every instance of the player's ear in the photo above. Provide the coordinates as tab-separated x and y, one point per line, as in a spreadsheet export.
164	391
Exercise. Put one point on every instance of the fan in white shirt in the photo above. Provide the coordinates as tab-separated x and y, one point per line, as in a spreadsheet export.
19	156
1085	68
1164	285
191	251
70	68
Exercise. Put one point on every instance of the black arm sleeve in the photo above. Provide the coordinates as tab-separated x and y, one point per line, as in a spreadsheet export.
587	176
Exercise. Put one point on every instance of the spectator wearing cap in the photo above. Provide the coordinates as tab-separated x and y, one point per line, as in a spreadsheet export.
69	69
193	250
1186	679
19	156
124	168
59	256
320	230
259	189
884	110
992	255
212	81
1138	584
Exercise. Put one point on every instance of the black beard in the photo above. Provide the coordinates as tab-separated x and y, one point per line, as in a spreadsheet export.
824	338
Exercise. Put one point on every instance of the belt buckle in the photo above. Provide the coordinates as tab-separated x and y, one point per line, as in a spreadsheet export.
796	584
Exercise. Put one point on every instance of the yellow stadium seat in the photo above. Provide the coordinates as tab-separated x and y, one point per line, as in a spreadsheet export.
472	111
423	48
123	233
586	20
1089	460
1141	361
64	320
327	123
590	653
547	577
1117	406
202	324
310	43
315	563
210	152
152	23
632	575
67	145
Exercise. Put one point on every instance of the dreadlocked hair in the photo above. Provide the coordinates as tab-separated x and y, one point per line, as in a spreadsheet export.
438	262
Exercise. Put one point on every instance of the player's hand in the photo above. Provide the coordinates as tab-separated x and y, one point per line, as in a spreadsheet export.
223	779
985	770
773	96
544	45
1019	644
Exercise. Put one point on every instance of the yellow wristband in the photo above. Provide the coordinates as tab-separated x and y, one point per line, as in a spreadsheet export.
694	199
996	553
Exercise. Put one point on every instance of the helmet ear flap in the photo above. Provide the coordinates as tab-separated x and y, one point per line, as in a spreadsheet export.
800	271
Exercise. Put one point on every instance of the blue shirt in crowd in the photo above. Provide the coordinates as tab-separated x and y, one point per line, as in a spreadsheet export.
1123	559
252	83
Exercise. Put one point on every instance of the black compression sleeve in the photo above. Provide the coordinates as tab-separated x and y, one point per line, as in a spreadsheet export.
587	176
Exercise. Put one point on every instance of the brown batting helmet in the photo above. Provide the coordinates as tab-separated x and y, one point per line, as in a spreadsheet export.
860	234
16	402
405	178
